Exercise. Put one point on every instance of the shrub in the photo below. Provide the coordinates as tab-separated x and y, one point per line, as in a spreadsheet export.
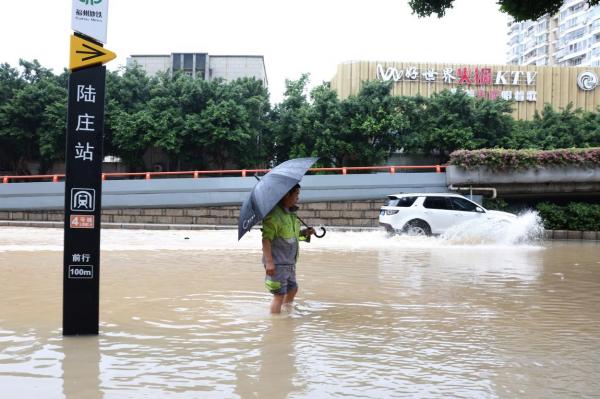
501	159
575	216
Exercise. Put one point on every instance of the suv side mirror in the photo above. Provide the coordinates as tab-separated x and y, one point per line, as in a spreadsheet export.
479	209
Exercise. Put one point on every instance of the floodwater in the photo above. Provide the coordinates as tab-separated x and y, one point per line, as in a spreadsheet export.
184	314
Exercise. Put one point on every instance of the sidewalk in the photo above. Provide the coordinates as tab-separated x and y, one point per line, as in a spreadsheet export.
156	226
567	235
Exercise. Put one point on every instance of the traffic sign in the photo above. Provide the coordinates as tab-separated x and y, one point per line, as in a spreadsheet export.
86	53
90	17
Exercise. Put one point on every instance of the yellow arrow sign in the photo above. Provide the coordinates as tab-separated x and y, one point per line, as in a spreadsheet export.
85	53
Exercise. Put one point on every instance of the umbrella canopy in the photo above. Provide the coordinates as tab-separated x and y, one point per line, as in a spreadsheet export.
270	190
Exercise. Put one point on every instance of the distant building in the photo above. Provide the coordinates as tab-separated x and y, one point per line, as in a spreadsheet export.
530	87
569	38
204	66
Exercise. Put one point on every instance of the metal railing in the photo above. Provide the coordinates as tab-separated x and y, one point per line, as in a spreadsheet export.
235	172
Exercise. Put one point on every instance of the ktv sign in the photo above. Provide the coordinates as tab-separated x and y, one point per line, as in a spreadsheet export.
462	76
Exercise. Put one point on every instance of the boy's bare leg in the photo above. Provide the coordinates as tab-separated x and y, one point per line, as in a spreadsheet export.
276	303
289	296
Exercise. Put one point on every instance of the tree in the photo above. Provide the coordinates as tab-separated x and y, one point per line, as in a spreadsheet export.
290	117
31	127
410	135
223	131
10	82
371	125
254	129
325	128
520	10
492	121
455	121
551	129
127	90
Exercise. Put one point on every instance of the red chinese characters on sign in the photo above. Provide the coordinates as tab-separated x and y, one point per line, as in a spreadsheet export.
464	75
82	221
483	76
490	95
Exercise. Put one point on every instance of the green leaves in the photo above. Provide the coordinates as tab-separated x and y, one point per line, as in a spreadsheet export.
576	216
518	9
31	124
501	159
196	124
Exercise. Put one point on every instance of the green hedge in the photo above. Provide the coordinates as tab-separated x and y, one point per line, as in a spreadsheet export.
500	159
576	216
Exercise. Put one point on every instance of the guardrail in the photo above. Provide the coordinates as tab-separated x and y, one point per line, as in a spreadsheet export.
236	172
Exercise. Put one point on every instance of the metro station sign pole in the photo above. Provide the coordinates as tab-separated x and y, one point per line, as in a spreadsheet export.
83	175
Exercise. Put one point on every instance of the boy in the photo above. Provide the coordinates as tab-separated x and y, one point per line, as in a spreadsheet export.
280	235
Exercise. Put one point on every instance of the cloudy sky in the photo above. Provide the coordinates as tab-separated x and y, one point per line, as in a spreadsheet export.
294	36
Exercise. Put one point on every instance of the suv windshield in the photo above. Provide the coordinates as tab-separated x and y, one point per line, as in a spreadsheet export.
402	202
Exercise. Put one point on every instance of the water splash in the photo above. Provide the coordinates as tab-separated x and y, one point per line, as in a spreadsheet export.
525	229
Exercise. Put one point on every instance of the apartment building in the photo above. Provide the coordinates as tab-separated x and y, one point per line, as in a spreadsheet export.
569	38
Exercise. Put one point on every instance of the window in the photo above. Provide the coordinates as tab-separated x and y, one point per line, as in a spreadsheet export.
402	202
436	203
461	204
176	62
541	27
577	7
188	61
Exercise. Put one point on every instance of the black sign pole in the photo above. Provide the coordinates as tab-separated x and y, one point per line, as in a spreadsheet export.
83	193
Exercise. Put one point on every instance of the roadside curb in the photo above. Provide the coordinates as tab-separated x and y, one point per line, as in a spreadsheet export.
157	226
553	235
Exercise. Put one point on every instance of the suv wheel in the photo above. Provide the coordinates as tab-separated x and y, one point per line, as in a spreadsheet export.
417	228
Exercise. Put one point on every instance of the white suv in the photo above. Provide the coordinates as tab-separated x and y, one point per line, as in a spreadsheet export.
432	213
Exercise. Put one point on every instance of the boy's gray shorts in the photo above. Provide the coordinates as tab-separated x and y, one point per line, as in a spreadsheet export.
286	276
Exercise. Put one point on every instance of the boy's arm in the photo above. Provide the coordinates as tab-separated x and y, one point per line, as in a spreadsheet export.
268	255
269	231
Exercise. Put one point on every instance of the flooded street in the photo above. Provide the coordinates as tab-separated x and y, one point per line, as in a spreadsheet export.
184	314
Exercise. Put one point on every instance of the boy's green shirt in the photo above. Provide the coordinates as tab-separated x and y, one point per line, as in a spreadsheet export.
283	225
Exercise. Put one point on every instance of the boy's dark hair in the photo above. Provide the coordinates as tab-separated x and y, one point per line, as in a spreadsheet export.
296	187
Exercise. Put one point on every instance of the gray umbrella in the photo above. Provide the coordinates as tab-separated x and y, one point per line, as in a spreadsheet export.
269	190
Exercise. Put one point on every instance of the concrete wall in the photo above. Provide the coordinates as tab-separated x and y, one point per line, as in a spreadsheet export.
339	213
231	67
557	174
547	183
152	64
219	191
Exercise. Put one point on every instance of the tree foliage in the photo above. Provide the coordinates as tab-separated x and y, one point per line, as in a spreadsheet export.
200	124
520	10
32	116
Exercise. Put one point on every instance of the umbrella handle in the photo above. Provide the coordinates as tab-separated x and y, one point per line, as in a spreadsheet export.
307	226
322	234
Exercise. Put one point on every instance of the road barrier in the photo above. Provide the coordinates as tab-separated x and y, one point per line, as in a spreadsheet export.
230	172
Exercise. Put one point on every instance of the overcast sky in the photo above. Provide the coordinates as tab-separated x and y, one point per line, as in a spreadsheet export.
311	36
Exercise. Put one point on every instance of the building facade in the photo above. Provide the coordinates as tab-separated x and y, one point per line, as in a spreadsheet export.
530	87
569	38
204	66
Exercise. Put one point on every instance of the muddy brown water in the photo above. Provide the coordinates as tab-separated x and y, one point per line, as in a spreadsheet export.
185	315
